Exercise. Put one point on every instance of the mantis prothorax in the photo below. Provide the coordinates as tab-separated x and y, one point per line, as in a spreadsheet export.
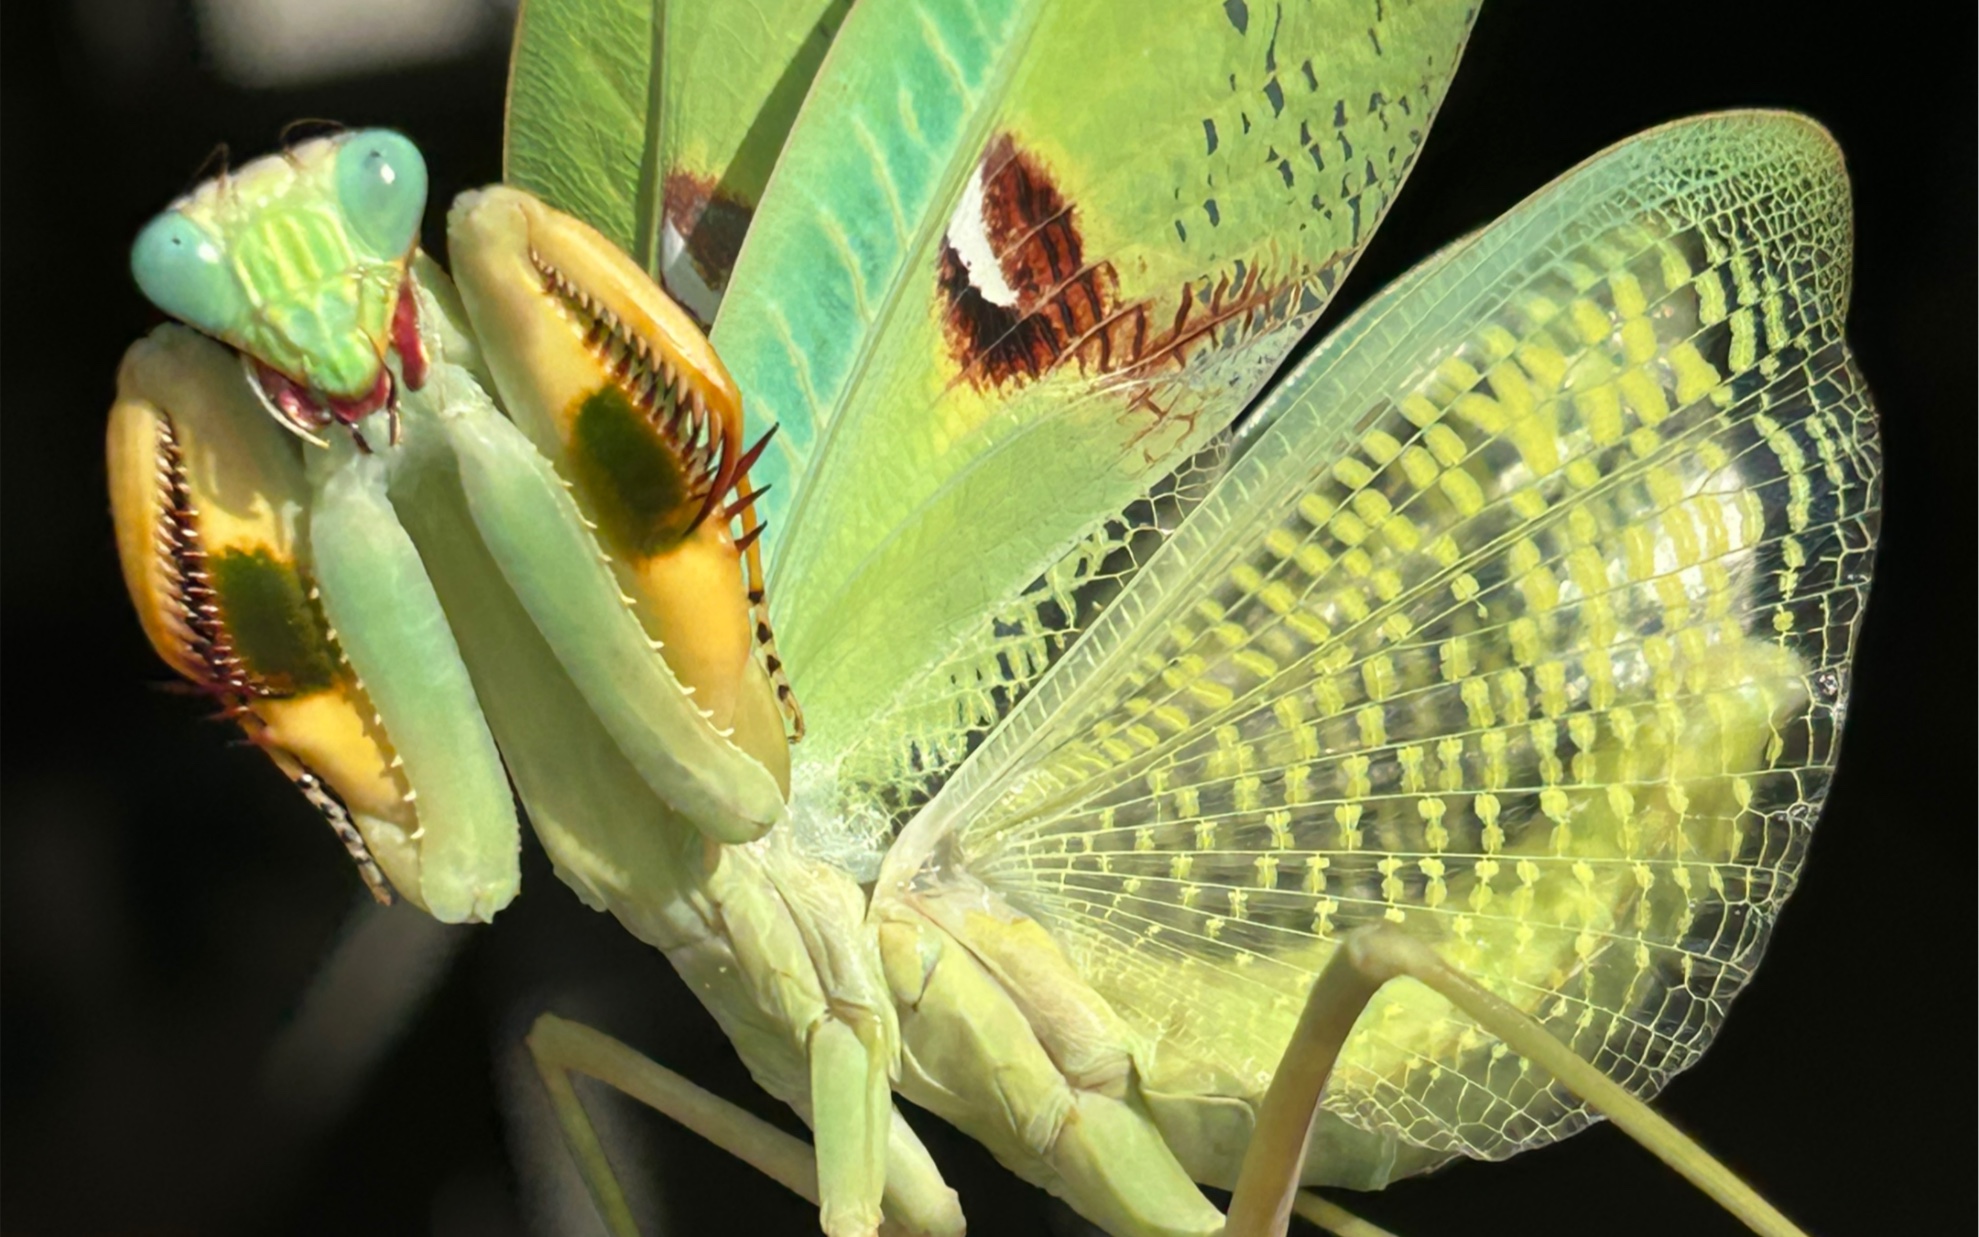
1488	681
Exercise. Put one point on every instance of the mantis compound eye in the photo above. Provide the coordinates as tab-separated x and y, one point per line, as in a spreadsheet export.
183	271
381	184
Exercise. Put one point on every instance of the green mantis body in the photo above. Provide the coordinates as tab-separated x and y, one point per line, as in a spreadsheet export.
1514	619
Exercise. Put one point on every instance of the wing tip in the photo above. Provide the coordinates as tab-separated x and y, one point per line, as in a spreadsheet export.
1761	153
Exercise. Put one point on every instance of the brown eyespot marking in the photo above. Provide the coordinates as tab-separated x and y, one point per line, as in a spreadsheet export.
1021	295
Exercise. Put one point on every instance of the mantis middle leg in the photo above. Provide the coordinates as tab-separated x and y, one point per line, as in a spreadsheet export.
917	1201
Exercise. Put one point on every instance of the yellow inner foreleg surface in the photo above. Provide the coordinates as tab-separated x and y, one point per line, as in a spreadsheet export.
617	386
209	498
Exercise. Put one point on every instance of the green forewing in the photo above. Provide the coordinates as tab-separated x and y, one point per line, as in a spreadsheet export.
668	165
1525	623
887	772
985	315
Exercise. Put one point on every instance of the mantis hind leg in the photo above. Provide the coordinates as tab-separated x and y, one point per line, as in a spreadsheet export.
562	1048
1267	1185
1334	1218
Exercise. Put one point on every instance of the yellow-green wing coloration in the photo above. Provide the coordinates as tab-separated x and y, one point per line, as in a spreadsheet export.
1524	625
1519	616
985	315
659	124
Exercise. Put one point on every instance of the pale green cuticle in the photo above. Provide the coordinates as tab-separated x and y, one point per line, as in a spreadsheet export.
316	322
306	281
330	349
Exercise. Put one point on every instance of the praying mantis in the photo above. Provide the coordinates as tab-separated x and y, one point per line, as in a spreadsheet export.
974	277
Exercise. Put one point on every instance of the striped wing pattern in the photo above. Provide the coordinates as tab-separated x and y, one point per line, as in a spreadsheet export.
1524	625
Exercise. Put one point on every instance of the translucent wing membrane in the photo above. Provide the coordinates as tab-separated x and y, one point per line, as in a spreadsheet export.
1524	624
887	772
891	769
986	317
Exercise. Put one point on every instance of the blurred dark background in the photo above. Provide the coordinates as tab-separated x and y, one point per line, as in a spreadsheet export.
169	902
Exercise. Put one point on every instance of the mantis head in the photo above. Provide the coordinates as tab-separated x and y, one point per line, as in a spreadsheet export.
301	261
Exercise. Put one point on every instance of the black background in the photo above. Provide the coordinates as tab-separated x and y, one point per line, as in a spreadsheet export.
167	896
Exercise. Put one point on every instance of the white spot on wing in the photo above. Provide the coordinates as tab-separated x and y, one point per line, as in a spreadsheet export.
683	281
969	240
